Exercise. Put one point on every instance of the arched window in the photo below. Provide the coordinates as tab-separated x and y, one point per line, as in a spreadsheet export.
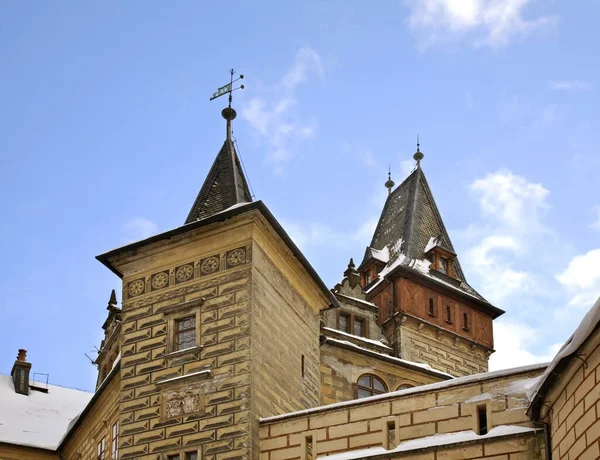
369	385
404	386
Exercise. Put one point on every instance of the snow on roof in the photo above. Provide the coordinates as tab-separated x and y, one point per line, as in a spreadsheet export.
377	343
370	304
380	254
583	331
40	419
410	391
426	367
432	243
436	440
421	266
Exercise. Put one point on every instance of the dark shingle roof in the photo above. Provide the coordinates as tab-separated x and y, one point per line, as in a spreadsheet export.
224	186
410	218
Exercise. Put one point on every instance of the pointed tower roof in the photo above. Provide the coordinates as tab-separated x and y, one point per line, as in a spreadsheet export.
409	227
225	185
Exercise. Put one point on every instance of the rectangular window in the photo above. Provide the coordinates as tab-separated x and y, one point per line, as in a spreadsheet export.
344	323
367	277
191	456
482	419
308	448
185	333
448	315
465	322
442	265
359	327
431	307
391	434
173	457
115	441
101	449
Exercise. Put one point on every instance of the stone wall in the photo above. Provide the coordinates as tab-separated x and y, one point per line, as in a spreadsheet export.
576	406
341	369
101	416
384	423
447	352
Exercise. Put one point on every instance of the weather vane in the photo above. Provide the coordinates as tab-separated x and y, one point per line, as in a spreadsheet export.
228	88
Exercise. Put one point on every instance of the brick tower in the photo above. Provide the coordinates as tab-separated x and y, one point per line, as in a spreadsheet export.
220	326
427	310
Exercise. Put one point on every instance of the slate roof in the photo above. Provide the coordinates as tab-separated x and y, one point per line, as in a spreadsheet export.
224	186
409	220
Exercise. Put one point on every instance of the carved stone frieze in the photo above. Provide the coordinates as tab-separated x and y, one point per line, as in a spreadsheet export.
187	272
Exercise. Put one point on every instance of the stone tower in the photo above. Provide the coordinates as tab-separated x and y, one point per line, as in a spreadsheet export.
220	326
428	311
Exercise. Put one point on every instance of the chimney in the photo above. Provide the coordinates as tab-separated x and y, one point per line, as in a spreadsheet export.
20	373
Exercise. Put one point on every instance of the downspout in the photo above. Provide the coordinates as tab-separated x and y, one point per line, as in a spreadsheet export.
393	313
547	441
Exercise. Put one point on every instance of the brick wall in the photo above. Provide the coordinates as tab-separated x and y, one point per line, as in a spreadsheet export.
575	411
416	413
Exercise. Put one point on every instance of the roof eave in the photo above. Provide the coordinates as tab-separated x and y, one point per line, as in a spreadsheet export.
495	311
105	258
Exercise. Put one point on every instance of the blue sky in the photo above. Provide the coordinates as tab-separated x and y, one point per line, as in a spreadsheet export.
106	135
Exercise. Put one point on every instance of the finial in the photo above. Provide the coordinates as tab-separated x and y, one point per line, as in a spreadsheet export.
112	302
418	156
228	113
351	263
389	184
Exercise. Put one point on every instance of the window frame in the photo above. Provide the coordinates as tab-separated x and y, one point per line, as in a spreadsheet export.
101	443
178	332
350	318
181	454
114	440
371	389
172	319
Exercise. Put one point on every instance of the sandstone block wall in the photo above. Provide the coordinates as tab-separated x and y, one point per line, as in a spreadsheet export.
412	414
97	425
205	413
341	369
441	350
575	413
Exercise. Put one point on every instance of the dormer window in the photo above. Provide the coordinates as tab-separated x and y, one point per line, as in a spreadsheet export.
367	277
443	265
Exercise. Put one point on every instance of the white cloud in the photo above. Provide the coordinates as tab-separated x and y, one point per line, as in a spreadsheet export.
511	200
596	224
307	62
139	228
512	211
513	340
569	85
582	278
484	23
273	114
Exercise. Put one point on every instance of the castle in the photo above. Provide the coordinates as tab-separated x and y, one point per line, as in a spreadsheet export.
228	346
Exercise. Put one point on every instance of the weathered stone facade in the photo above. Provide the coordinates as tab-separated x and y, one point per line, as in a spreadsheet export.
383	422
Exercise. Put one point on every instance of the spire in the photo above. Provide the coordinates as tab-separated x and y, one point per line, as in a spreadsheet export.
225	185
389	184
418	156
112	302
